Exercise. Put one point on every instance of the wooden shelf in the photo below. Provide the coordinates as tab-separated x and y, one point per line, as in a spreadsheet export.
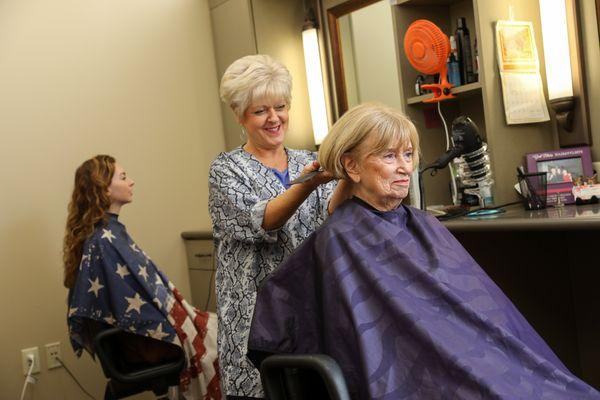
469	89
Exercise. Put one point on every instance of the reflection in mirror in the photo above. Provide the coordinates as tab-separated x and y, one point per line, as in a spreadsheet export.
364	55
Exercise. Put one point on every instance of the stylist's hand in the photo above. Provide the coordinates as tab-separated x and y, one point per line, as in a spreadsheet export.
319	179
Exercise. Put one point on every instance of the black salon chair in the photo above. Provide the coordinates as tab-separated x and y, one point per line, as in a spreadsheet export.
125	379
303	377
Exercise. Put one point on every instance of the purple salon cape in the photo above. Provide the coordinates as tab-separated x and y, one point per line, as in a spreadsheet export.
396	300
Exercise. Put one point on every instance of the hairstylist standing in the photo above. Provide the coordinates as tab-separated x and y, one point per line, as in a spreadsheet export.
258	218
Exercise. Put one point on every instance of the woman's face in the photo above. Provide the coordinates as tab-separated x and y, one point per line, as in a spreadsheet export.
266	123
120	190
382	179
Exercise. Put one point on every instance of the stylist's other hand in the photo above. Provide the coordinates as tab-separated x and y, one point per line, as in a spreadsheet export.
319	179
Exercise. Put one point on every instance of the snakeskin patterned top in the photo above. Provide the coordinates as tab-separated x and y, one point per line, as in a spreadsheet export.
240	187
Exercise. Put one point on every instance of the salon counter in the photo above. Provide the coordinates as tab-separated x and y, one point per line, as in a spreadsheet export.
516	218
548	263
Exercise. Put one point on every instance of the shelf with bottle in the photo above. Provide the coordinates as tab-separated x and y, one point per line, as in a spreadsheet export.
470	89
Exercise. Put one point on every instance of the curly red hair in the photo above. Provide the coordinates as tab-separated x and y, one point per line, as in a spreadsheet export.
88	207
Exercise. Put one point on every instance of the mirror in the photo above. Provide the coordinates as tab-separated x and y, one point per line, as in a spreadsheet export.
363	53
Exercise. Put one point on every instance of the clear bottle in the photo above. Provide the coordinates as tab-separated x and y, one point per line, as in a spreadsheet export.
453	66
465	59
475	61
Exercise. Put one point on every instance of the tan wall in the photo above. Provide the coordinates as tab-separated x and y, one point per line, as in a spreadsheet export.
376	69
134	79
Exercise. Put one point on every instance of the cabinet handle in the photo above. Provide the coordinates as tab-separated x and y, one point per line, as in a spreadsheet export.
203	255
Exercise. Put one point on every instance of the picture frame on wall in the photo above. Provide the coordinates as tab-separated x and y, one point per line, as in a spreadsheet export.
562	167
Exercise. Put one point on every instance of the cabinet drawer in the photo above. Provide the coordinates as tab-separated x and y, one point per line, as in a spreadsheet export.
199	254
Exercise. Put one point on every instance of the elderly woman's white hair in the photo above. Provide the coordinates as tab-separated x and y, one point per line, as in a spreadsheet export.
388	127
254	77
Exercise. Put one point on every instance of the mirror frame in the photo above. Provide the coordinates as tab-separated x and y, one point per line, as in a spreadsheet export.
333	14
598	16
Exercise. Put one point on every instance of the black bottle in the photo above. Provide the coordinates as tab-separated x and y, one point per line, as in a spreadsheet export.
465	58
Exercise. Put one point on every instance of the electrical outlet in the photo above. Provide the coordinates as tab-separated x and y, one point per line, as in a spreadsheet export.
52	353
25	353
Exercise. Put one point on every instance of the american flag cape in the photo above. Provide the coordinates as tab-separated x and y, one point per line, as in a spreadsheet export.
119	285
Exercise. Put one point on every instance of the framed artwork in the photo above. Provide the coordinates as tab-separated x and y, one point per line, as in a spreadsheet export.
562	167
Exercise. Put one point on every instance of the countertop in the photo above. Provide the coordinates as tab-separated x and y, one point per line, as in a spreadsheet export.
516	218
197	235
571	217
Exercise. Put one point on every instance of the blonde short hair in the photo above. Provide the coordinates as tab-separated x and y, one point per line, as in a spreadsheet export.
254	77
387	126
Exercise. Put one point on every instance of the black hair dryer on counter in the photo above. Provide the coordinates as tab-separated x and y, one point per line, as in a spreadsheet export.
472	164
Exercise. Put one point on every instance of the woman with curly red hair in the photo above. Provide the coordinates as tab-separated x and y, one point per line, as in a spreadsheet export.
112	282
89	205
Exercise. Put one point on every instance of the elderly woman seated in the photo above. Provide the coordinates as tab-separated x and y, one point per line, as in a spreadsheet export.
389	293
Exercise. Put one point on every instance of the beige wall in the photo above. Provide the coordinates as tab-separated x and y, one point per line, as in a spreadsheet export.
375	54
135	79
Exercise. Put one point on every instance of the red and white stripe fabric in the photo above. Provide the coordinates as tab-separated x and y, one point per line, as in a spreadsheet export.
197	334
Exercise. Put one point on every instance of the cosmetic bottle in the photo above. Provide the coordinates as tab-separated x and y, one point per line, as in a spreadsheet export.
465	59
419	81
475	61
453	66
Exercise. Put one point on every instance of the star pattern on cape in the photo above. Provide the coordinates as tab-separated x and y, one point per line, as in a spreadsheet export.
72	310
157	302
143	272
110	320
158	280
83	258
157	333
95	286
122	271
135	303
107	234
134	247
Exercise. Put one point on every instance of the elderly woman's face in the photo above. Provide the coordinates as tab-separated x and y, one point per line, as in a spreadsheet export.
266	122
382	179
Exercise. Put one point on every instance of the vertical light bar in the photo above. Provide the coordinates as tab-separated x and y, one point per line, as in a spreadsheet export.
316	91
553	14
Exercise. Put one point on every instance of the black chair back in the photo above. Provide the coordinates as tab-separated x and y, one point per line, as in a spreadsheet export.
126	380
303	377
